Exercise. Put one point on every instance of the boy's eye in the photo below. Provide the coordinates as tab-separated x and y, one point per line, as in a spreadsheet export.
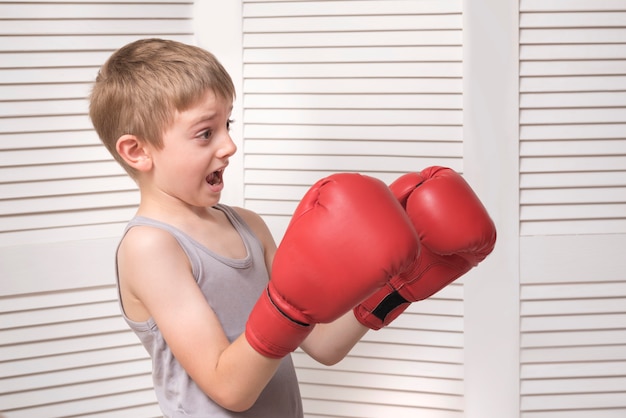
229	122
205	134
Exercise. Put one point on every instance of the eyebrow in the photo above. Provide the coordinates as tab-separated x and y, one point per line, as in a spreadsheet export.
208	116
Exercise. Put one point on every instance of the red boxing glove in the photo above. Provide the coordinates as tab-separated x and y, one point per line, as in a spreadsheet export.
455	231
348	236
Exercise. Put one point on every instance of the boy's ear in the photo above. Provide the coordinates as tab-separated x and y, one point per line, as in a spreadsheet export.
134	152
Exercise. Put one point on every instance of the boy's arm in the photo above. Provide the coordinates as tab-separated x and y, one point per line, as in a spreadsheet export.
156	278
330	343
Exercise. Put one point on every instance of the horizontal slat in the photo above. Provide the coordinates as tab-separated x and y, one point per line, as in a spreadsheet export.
389	397
571	5
573	322
277	213
343	8
78	398
66	187
388	366
110	404
353	70
45	91
319	408
360	85
576	227
87	10
77	296
141	27
577	338
108	1
570	116
349	163
603	131
399	133
571	68
580	413
65	219
360	54
45	123
574	401
63	50
360	117
564	84
573	19
61	171
47	108
65	203
573	354
56	315
569	100
374	38
71	233
557	180
352	23
64	330
72	360
571	386
21	141
16	385
606	305
572	35
559	212
429	322
356	101
375	350
435	338
549	292
573	52
13	158
572	196
146	411
381	381
544	148
49	75
574	164
20	59
61	347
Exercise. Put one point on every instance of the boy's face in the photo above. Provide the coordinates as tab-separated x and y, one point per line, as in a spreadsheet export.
195	152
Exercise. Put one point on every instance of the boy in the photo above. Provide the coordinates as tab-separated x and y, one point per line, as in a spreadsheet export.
193	274
190	269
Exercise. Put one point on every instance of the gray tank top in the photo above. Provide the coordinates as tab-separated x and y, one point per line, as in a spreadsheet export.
231	287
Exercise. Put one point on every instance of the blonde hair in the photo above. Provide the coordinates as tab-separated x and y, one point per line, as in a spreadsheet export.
142	85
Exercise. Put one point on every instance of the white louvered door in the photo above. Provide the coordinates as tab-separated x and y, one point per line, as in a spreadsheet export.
64	349
573	208
373	87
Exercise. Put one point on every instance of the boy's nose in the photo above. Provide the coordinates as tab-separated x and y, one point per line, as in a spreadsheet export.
228	146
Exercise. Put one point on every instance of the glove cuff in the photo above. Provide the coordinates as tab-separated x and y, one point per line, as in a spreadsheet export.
271	332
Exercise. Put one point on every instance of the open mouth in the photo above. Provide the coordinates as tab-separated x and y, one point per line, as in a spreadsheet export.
215	178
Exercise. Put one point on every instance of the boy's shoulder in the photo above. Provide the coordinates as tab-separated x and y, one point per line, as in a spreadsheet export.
258	226
246	214
253	219
146	240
